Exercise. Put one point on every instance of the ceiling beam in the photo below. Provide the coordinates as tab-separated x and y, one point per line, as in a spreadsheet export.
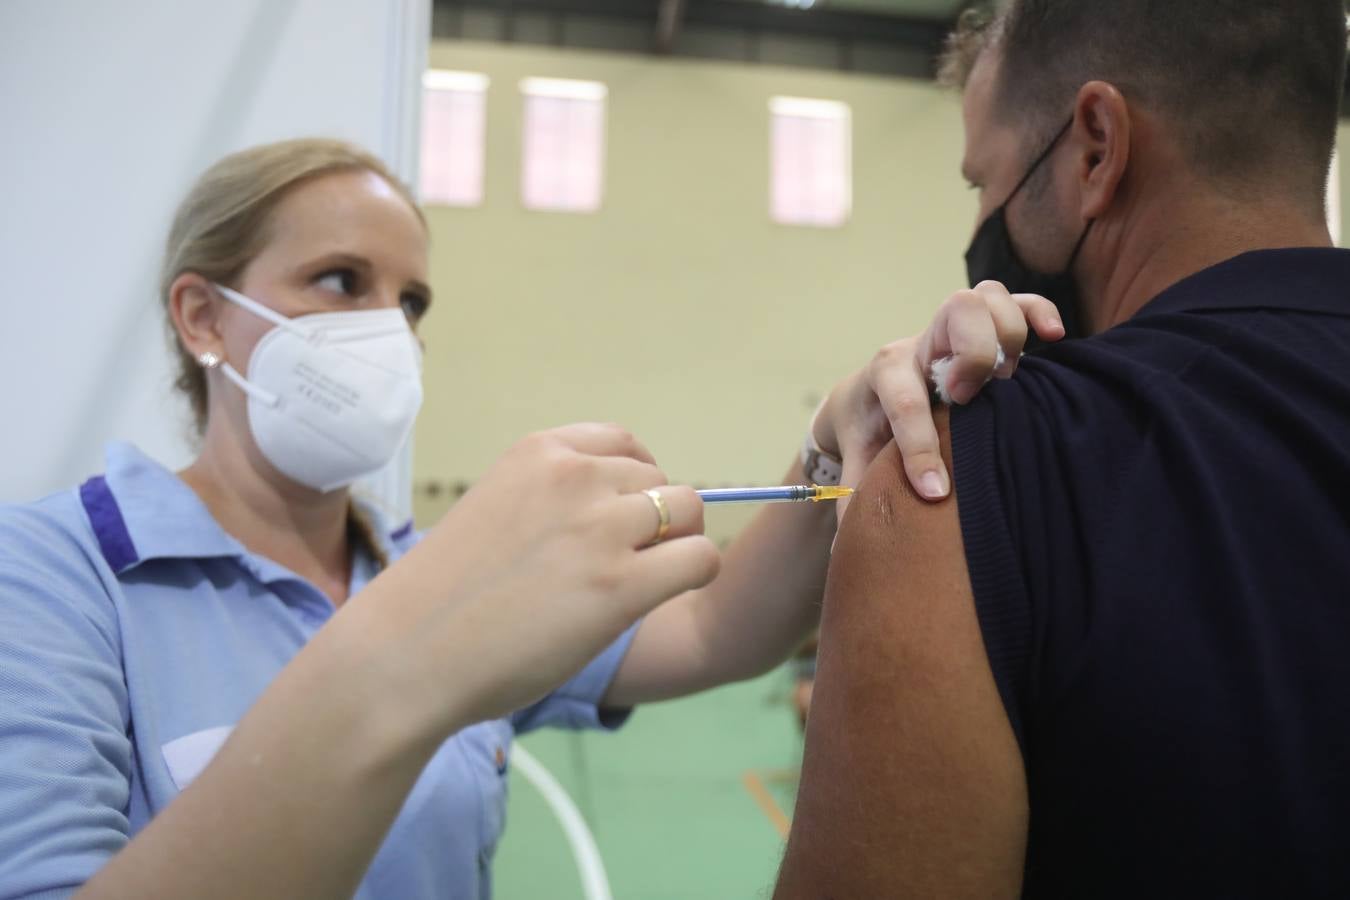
828	23
759	17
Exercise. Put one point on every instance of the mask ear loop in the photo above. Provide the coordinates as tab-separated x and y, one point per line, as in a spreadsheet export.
258	309
1054	142
1073	257
1044	154
1082	239
262	395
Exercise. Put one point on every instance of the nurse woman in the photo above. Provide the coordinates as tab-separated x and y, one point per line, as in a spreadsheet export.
237	680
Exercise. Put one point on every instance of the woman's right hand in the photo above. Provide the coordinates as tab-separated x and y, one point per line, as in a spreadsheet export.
531	575
536	570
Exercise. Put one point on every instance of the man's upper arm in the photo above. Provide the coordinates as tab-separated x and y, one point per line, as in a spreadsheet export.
912	782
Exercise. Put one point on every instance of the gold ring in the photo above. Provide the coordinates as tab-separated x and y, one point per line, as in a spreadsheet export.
663	515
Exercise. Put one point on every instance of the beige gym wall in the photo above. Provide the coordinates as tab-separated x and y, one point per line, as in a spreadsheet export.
679	309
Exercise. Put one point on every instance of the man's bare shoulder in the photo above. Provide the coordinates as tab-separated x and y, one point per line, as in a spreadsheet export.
912	783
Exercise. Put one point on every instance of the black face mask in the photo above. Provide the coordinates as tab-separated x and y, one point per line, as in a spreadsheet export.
991	257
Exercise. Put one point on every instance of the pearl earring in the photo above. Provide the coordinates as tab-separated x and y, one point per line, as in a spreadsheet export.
208	360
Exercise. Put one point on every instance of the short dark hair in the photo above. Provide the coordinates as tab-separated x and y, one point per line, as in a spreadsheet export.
1253	87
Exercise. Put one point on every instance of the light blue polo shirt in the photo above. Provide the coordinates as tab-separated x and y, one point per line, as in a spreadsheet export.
134	633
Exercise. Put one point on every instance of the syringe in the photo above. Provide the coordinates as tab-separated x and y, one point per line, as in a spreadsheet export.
793	493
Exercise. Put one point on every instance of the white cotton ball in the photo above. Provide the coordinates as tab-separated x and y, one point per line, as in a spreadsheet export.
938	372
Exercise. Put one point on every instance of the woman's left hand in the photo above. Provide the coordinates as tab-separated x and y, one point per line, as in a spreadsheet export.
889	397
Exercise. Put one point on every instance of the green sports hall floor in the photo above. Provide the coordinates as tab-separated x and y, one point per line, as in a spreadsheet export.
686	801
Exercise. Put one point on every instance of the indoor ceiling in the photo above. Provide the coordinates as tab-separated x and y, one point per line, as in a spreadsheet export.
886	37
882	37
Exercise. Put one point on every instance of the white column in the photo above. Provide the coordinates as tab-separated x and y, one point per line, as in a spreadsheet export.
110	111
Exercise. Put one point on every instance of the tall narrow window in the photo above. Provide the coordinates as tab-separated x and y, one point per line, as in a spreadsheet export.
454	122
564	144
811	162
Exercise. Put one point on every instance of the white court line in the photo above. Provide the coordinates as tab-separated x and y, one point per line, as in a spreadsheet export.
594	881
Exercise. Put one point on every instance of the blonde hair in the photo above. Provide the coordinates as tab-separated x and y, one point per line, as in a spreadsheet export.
222	224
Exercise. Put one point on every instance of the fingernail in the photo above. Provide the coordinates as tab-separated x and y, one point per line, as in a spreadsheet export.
933	486
964	391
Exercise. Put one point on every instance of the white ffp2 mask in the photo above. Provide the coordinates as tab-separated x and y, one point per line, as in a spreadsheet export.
331	396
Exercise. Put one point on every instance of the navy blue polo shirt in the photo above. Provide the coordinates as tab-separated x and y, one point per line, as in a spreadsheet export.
1157	525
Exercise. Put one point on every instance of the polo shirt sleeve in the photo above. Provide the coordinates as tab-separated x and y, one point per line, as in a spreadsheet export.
576	704
1017	451
65	754
996	577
